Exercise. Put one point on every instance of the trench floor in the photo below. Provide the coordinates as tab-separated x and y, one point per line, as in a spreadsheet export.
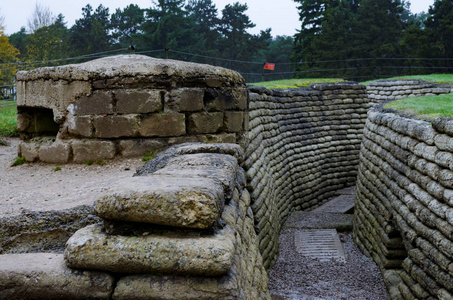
318	259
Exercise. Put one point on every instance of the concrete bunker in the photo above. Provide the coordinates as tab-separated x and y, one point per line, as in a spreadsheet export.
125	106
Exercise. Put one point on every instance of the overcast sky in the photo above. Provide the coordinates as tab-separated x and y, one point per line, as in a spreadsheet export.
280	15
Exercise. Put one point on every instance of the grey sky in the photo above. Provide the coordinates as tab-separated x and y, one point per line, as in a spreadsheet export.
280	15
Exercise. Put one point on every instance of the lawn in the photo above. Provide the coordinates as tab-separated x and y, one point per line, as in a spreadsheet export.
428	107
8	118
294	83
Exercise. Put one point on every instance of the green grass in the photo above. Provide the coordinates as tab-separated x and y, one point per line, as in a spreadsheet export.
8	118
18	162
149	155
295	83
428	107
437	78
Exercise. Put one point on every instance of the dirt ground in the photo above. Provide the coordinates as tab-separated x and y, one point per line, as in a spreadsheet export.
37	186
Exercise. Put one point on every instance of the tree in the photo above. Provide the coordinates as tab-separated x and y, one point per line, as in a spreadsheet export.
19	41
90	34
2	20
48	42
378	28
439	29
126	25
9	56
167	26
41	17
234	31
205	24
345	32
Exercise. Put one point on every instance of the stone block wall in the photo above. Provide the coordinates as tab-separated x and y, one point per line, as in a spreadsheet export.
182	229
125	106
385	90
404	203
303	146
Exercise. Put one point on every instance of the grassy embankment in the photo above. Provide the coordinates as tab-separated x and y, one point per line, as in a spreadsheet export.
8	118
294	83
429	107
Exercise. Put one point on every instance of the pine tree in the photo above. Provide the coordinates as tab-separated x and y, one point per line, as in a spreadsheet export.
126	26
167	26
90	34
439	29
205	23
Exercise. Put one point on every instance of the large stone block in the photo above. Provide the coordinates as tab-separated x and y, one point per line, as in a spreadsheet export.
58	152
79	125
176	288
204	122
163	125
180	201
234	121
207	255
139	147
86	150
138	101
99	102
115	126
45	276
29	150
219	99
185	100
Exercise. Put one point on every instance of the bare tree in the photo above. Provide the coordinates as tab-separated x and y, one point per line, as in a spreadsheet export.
2	20
41	16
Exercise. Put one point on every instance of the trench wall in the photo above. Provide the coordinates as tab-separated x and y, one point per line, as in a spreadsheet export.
404	203
385	90
303	146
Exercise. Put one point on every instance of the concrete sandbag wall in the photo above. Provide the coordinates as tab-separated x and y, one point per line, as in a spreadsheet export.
385	90
404	203
303	146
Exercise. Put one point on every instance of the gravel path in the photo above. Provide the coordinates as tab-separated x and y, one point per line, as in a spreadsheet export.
37	187
295	276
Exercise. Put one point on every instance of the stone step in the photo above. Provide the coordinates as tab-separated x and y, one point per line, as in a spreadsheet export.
320	220
46	276
91	248
341	204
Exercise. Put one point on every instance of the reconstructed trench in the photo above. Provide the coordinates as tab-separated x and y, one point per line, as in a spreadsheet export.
202	221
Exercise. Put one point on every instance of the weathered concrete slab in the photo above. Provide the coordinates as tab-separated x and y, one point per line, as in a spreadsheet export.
219	167
175	288
341	204
321	220
207	255
32	231
176	200
45	276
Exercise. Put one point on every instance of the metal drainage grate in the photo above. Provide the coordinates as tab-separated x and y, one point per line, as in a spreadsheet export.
321	244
